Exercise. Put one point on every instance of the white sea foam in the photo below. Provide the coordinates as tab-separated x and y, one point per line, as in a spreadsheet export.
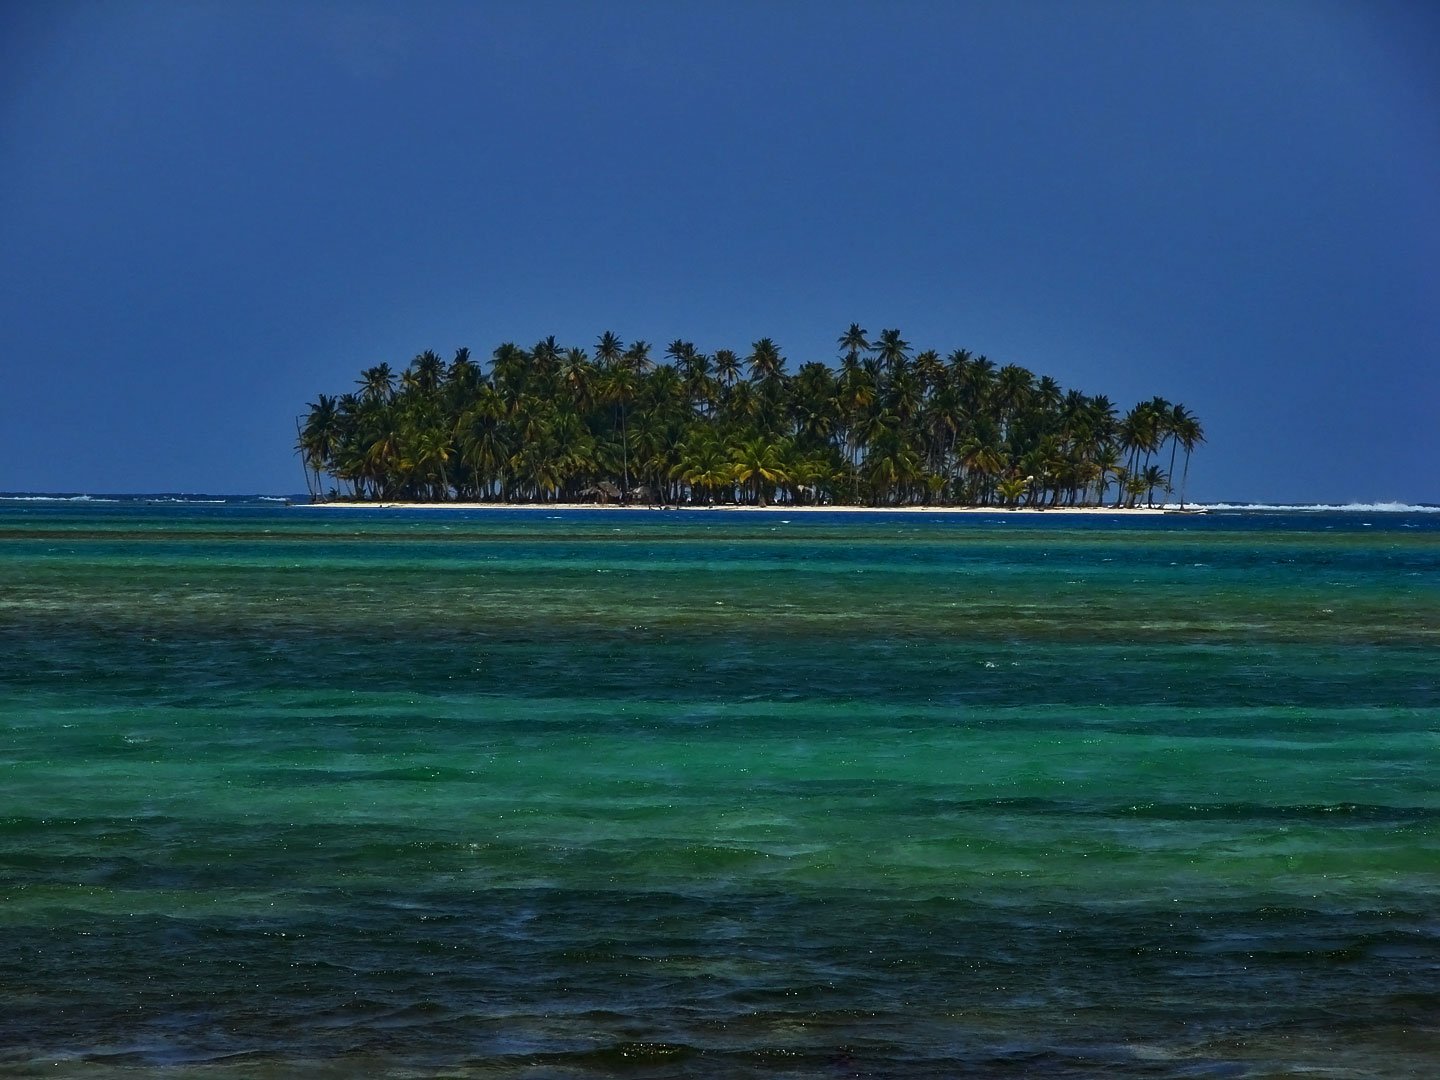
201	500
1333	508
57	498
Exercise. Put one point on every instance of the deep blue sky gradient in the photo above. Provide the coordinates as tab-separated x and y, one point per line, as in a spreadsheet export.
211	212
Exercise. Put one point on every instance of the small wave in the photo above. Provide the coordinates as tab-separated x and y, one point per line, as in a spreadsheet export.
1333	508
161	498
57	498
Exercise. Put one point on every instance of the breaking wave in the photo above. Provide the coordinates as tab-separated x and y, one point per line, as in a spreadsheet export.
163	498
1332	508
59	498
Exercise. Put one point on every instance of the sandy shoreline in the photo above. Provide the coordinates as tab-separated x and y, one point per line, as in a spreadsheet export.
783	509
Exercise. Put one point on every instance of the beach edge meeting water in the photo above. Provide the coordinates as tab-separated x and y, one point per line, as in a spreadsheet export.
774	508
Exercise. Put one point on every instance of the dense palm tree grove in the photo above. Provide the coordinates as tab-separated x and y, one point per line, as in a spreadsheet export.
887	426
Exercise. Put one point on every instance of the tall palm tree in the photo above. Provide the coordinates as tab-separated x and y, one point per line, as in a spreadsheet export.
1139	434
892	351
462	381
320	437
576	375
426	371
681	352
766	363
377	383
853	342
608	350
484	447
432	451
638	357
1013	388
1191	435
621	382
727	367
699	385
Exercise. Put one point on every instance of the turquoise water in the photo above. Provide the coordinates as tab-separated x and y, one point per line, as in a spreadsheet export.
517	794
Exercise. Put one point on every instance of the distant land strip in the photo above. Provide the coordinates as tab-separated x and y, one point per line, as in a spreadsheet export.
887	427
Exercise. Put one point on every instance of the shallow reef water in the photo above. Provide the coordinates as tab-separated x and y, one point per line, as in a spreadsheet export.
502	794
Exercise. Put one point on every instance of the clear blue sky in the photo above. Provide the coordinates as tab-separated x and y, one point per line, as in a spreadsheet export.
209	212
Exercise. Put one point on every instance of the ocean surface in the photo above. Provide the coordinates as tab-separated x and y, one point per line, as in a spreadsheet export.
297	792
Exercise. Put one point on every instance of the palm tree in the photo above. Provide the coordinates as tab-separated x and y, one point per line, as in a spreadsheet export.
760	464
1107	462
462	382
638	357
426	371
1134	488
620	383
928	369
1191	435
484	447
681	352
727	368
1010	489
705	466
891	350
740	407
699	386
983	460
320	437
766	363
853	342
1139	434
608	350
1013	387
905	395
546	355
377	383
510	371
432	451
1153	477
383	456
892	466
812	404
576	375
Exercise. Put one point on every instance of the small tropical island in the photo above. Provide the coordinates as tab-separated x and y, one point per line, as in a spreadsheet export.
886	427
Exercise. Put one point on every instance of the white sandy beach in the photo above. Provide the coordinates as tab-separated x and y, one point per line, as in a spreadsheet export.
780	509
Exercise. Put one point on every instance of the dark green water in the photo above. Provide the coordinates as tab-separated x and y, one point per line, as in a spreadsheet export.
300	792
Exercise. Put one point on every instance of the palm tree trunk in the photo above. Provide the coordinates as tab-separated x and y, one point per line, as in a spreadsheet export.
624	456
